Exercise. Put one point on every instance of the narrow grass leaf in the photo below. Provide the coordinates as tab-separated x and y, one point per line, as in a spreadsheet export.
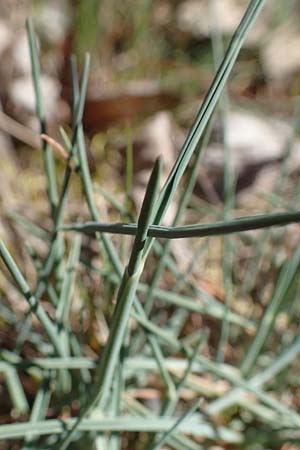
207	107
286	278
35	306
192	425
199	230
174	428
47	152
125	300
16	391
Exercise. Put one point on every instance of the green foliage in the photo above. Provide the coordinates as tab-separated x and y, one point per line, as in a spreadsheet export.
134	353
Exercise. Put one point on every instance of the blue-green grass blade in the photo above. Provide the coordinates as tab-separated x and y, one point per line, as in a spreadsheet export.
128	286
129	167
260	245
171	401
47	152
198	230
192	425
207	108
79	99
208	304
175	427
16	391
286	358
75	86
132	364
182	204
287	276
78	121
89	195
229	183
56	250
29	226
125	300
39	408
165	375
35	306
63	308
118	388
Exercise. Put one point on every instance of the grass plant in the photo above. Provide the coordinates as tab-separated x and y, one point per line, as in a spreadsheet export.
147	347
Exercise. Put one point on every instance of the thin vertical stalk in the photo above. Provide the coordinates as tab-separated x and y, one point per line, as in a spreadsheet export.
129	167
229	186
125	300
47	152
55	251
39	408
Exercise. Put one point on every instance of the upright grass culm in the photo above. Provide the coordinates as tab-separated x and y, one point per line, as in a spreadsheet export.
125	299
